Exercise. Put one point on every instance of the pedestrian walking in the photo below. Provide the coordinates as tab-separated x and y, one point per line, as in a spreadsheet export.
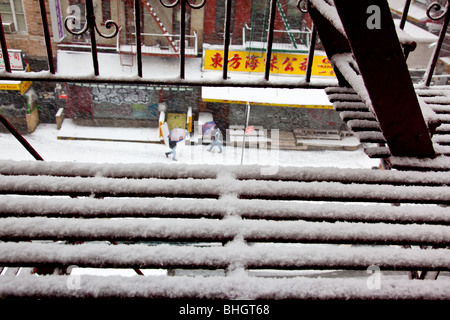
216	140
176	135
173	151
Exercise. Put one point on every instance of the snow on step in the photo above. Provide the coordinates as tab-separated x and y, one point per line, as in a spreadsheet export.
239	287
444	128
227	232
215	188
253	209
349	106
244	172
344	62
163	256
219	230
440	163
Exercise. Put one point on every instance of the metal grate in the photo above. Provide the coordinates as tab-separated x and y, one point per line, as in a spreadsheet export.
245	225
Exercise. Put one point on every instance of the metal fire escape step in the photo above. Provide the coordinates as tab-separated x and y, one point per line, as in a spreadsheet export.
376	97
364	126
286	24
160	25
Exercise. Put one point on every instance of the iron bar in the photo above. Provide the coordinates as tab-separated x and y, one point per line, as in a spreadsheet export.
437	50
137	270
183	39
92	27
48	43
137	17
405	14
33	76
311	53
273	7
20	138
183	4
226	45
90	17
247	112
4	47
35	154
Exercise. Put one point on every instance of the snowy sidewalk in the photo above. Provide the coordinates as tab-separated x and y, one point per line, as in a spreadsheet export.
71	131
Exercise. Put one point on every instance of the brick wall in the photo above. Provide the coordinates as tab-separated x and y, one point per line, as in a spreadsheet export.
32	41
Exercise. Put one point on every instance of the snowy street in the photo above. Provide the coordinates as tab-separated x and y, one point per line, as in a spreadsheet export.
44	141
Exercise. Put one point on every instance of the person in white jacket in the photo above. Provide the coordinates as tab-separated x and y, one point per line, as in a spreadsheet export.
216	140
173	147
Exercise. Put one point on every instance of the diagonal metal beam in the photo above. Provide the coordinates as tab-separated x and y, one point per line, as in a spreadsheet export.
332	40
381	62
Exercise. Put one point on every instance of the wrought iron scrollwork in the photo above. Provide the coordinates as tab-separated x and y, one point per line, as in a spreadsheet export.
90	23
74	20
302	5
193	3
437	7
109	24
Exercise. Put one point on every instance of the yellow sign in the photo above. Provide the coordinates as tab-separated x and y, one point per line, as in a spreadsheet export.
270	104
24	86
10	86
21	86
280	63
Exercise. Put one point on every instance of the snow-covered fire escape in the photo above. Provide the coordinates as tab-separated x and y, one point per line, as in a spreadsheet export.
368	56
163	43
290	39
274	232
160	24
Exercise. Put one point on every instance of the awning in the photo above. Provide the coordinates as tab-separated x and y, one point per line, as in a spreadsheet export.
297	98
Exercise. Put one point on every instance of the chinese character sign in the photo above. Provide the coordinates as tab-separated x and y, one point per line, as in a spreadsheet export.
280	63
15	59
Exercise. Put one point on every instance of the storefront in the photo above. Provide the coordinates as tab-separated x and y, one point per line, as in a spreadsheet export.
18	101
271	108
128	105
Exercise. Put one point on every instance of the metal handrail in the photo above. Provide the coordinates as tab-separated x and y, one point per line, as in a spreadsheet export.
99	78
53	76
20	138
307	32
446	15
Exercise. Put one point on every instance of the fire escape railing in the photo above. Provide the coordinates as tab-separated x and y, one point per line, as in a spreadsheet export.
91	27
245	185
265	81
